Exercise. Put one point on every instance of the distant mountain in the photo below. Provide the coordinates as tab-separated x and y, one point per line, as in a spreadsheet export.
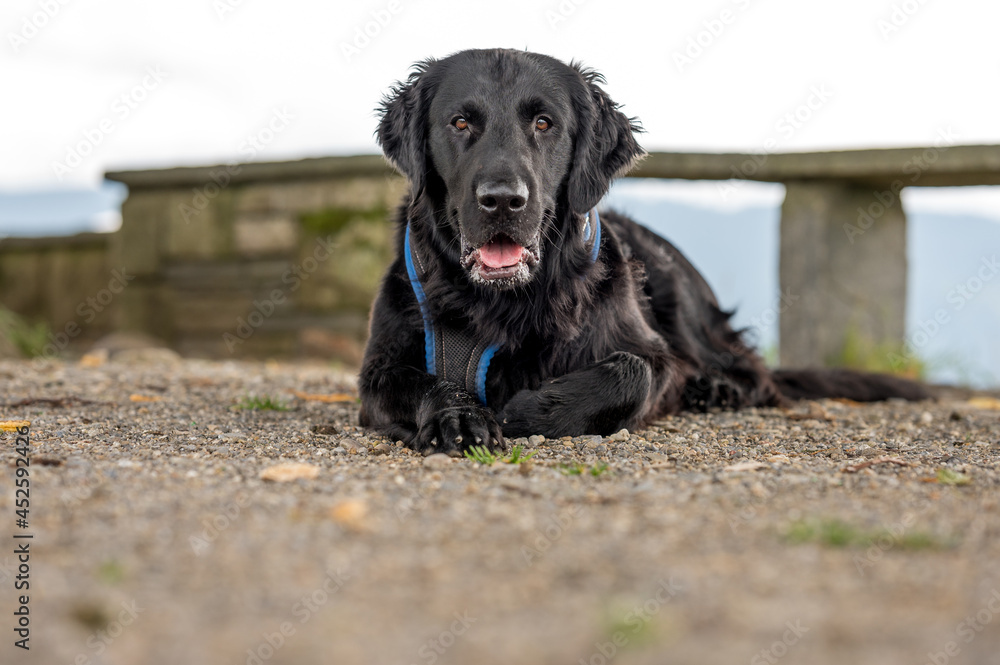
954	273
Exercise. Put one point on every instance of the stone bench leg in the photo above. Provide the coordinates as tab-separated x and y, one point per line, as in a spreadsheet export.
843	252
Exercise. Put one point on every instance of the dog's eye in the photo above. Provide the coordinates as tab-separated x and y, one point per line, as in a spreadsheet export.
460	123
543	124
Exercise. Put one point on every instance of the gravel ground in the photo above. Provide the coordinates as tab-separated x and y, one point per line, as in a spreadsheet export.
169	528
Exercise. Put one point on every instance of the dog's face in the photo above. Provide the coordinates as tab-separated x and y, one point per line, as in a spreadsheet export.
503	145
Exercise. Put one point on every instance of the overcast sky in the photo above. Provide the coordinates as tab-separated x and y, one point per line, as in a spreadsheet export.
112	84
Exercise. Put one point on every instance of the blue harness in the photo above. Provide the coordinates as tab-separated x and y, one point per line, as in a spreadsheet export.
453	354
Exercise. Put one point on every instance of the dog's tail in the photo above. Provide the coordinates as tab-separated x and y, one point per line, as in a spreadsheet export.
847	383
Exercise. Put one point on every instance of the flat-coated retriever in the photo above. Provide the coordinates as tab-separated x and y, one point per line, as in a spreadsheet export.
514	308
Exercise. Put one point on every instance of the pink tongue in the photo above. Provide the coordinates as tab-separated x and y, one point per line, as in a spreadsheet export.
500	252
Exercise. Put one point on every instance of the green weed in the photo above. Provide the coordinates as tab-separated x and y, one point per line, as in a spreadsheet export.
598	469
517	455
261	403
111	572
949	477
836	533
577	469
480	454
29	339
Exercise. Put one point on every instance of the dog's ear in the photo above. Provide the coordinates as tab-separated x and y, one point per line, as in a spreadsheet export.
605	144
402	127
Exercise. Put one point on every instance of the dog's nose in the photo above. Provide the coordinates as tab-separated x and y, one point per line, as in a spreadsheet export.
502	196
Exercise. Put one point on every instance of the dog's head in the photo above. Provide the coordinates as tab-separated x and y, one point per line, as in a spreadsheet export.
500	143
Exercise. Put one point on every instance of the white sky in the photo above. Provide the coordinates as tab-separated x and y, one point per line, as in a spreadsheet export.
229	65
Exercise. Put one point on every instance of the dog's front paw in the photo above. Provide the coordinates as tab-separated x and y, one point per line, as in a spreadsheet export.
451	420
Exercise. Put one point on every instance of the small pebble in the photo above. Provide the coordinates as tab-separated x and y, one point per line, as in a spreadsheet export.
350	513
289	471
383	449
437	461
351	443
620	435
536	440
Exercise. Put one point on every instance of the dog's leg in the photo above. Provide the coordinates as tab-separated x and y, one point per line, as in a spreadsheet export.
407	403
602	399
425	412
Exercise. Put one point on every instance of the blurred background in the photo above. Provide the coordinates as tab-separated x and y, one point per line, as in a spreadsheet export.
212	236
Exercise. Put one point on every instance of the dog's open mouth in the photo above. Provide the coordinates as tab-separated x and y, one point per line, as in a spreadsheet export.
501	260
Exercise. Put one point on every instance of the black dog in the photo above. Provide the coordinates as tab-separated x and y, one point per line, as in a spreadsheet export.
513	308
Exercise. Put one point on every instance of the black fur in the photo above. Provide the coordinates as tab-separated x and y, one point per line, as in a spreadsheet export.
586	347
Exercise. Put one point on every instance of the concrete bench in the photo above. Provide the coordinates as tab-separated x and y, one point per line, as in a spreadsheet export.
843	231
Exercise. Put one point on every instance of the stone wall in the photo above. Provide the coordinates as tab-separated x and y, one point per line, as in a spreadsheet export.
67	283
262	260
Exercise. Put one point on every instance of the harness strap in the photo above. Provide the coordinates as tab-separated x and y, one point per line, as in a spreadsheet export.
430	353
593	227
452	353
